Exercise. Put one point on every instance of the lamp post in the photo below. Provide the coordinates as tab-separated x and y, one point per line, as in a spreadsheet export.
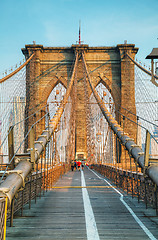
153	55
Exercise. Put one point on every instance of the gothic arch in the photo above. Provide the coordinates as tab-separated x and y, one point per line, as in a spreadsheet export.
114	90
51	85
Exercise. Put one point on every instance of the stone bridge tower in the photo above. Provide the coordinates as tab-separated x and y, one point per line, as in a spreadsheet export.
108	65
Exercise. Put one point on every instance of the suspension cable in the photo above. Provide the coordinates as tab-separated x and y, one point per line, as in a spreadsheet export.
17	70
19	123
145	70
136	123
129	143
21	145
142	68
134	113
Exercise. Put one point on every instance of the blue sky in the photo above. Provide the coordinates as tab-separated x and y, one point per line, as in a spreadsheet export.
55	23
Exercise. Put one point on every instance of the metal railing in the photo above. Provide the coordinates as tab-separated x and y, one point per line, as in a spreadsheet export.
20	184
133	183
3	217
35	187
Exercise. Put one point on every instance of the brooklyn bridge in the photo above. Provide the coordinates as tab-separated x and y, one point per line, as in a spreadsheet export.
92	106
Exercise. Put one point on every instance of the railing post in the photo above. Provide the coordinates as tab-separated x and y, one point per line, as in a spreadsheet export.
22	207
32	150
51	162
30	192
44	172
47	157
11	146
36	176
156	199
152	70
12	213
3	217
35	125
54	135
147	149
146	203
32	146
137	140
137	183
146	162
41	174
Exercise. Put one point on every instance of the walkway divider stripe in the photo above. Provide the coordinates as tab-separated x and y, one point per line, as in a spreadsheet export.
91	227
144	228
82	187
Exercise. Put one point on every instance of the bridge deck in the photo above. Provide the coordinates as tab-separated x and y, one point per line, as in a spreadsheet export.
91	213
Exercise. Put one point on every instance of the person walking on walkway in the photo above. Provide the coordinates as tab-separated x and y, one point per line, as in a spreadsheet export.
72	165
82	165
75	165
79	165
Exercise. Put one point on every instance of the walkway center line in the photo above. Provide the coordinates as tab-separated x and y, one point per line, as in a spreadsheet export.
81	187
91	227
145	229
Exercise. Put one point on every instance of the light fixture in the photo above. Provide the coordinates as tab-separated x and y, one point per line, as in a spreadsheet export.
153	55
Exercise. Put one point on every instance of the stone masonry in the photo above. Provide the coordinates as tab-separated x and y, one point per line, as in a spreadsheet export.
108	65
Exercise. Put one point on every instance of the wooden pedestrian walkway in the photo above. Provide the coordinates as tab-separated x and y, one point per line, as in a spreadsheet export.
84	205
